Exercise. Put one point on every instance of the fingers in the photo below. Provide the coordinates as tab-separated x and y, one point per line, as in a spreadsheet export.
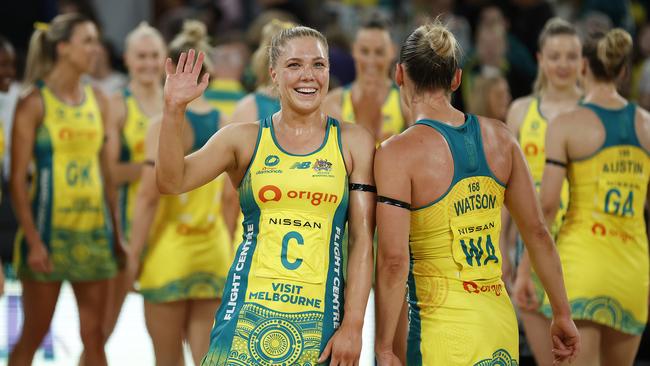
181	63
190	61
205	80
326	352
196	70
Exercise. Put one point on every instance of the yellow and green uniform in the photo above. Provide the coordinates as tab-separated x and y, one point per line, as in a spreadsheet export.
460	312
132	150
532	139
284	296
224	94
392	120
67	193
189	251
603	244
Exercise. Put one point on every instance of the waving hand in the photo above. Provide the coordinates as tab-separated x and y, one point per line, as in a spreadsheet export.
182	86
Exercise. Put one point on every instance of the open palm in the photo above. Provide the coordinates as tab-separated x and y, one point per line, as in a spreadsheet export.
183	85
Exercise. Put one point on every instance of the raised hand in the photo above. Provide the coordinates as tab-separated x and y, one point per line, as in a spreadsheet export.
182	85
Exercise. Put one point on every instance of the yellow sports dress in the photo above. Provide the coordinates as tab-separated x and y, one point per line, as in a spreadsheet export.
188	251
224	94
603	244
459	310
67	193
132	150
532	139
284	296
391	112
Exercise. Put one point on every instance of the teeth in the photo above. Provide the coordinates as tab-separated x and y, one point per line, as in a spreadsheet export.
306	90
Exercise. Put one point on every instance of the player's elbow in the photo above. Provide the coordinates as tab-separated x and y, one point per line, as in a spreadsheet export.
167	186
393	264
536	235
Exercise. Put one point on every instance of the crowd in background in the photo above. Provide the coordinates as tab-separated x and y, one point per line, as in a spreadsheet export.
498	40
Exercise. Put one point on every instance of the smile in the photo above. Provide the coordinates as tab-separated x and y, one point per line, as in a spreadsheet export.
306	91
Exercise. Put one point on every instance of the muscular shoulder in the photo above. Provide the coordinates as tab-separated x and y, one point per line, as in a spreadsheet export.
517	113
496	131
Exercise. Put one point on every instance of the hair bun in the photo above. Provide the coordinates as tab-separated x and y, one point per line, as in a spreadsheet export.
194	31
614	48
441	41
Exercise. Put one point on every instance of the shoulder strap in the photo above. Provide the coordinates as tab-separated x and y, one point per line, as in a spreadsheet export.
466	146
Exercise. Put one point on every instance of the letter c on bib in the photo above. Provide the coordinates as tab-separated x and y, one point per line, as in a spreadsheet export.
285	249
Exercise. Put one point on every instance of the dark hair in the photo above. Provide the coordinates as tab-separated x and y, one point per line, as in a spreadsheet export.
431	56
42	45
375	21
553	27
608	54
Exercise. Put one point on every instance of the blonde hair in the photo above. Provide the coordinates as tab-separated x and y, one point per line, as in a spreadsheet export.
553	27
431	55
143	30
194	35
260	58
285	35
42	55
608	54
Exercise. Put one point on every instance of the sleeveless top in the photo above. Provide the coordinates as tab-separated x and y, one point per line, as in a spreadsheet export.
532	139
67	192
132	137
459	232
286	282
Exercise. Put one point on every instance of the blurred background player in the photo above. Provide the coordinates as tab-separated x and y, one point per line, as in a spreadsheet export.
441	187
185	247
132	109
555	91
66	232
373	52
602	148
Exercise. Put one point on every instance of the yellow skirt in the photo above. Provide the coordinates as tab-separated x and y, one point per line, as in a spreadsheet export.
454	322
